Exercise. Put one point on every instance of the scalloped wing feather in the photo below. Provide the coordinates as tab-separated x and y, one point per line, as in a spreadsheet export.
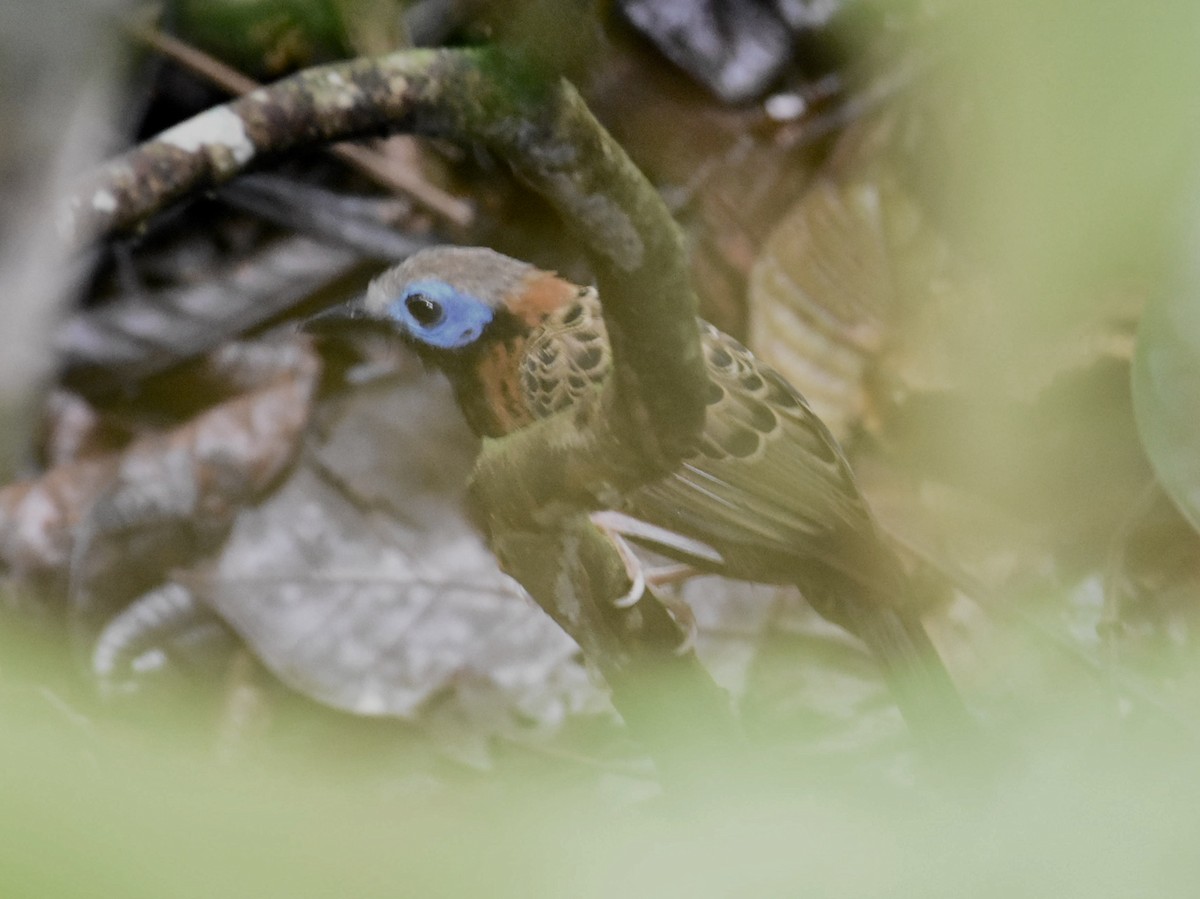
767	487
567	356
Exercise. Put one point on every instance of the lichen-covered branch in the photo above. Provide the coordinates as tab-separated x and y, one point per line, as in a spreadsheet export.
655	406
531	490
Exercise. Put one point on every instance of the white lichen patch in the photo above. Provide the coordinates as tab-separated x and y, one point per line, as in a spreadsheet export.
104	201
341	92
218	128
785	107
604	216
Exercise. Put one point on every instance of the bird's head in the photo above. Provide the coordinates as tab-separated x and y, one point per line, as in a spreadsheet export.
467	311
448	301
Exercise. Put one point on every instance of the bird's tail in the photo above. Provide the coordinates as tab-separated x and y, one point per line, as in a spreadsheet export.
918	679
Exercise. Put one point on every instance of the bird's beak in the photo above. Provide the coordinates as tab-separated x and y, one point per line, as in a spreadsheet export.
343	319
349	335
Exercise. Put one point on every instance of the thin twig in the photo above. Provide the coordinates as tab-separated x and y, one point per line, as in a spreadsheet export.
373	164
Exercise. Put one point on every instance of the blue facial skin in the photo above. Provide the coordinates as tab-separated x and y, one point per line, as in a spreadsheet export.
461	320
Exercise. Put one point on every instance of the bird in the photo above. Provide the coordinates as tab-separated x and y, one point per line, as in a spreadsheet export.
765	493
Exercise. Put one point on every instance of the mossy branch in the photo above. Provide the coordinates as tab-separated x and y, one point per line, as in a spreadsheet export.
531	491
655	406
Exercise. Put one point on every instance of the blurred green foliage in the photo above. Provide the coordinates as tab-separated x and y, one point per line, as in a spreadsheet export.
1166	375
1083	127
1079	816
265	37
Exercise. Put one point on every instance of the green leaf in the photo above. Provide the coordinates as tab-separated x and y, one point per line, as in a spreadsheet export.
1166	385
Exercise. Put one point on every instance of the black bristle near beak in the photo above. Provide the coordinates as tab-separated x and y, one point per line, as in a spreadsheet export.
356	346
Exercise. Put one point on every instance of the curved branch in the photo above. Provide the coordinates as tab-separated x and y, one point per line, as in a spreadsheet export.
644	423
530	488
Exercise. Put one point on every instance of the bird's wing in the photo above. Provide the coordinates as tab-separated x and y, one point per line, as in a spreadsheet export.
564	358
768	487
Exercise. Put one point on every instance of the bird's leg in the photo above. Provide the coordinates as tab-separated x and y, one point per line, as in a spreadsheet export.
613	525
670	575
640	586
667	698
633	570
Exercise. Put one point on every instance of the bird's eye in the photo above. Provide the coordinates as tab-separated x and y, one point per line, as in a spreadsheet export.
425	310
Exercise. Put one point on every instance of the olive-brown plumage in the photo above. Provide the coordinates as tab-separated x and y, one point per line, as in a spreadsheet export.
766	490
